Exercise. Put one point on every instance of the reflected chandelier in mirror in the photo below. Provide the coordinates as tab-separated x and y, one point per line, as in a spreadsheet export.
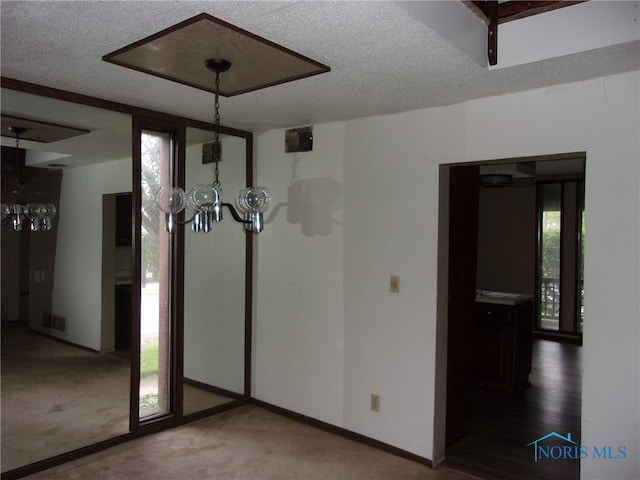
38	215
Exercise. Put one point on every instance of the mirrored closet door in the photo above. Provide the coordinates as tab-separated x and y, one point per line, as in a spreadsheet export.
65	365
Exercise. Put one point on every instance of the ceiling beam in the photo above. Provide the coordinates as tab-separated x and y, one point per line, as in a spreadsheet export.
514	10
492	32
494	13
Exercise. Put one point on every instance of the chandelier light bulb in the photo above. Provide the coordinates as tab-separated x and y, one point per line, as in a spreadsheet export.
35	212
6	211
50	211
171	200
253	199
203	197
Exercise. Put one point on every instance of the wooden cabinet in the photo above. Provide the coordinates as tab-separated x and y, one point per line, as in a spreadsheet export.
502	346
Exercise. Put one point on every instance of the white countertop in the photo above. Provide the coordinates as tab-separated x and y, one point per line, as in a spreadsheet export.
502	298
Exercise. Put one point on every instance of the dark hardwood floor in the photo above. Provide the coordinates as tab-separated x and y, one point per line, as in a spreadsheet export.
502	424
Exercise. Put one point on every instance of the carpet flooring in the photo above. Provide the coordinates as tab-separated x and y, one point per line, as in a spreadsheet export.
245	443
49	405
56	397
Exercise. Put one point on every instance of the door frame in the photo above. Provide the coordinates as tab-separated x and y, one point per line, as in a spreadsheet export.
442	316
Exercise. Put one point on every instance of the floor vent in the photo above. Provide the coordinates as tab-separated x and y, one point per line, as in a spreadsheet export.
59	324
54	322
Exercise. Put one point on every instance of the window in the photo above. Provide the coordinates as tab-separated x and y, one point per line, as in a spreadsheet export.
156	304
560	257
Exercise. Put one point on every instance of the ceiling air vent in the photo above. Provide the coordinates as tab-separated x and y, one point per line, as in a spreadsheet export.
298	140
502	175
495	180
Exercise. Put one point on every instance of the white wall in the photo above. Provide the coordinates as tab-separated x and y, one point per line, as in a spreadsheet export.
328	333
299	331
388	224
77	291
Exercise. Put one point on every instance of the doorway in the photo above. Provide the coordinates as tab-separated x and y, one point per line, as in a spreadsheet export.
117	272
492	428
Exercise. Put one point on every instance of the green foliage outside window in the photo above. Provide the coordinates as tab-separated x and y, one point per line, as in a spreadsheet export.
550	264
551	245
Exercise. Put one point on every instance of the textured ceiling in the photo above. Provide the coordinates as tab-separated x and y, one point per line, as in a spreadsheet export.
382	59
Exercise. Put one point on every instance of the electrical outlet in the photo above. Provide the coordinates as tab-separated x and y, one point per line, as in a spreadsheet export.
375	402
394	284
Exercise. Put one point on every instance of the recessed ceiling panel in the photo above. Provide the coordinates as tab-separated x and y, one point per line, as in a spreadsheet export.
38	131
179	53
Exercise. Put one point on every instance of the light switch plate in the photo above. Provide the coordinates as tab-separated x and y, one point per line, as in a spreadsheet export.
375	402
394	284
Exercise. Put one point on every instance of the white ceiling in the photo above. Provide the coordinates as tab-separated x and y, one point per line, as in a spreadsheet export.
382	58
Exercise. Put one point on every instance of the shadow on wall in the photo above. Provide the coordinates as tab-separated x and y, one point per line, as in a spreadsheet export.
313	203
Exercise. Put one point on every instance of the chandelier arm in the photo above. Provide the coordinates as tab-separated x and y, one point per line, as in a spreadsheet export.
186	222
235	215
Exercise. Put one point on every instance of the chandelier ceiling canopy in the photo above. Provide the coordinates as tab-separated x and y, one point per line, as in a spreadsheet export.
179	53
38	131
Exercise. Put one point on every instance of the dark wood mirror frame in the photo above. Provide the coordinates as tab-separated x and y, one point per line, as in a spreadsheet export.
173	420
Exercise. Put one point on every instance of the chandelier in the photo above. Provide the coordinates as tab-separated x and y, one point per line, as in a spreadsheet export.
37	215
205	200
